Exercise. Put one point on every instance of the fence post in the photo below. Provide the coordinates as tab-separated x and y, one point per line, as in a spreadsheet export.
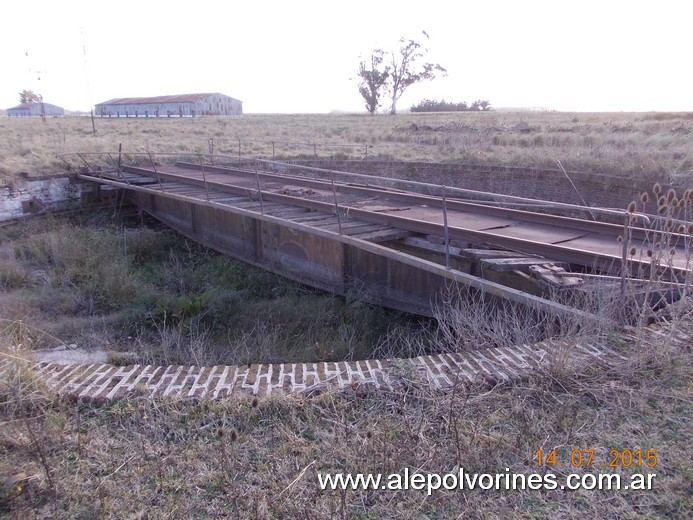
445	228
210	143
239	150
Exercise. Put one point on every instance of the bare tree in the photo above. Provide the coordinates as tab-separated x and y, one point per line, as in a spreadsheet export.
405	71
29	96
373	77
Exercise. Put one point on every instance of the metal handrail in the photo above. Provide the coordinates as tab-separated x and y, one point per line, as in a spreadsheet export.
499	198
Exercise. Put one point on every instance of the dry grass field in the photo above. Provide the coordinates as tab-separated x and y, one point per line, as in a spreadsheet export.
105	282
656	146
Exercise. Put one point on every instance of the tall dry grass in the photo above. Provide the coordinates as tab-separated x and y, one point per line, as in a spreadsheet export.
655	146
114	286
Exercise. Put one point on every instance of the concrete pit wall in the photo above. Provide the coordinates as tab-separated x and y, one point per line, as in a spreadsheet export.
24	197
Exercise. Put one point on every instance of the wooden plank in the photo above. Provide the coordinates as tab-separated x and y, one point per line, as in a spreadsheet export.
369	228
555	275
353	227
313	216
288	213
345	225
227	200
510	264
479	254
189	193
219	195
421	243
385	235
255	204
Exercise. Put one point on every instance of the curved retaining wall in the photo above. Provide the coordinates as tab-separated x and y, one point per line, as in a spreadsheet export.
103	382
99	383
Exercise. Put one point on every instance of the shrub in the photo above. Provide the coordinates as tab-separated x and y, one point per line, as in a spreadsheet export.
428	105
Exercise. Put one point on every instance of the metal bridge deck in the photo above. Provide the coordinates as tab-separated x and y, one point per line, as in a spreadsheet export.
368	213
590	244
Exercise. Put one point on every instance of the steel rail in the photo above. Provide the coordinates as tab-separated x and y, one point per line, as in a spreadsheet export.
606	211
589	226
497	196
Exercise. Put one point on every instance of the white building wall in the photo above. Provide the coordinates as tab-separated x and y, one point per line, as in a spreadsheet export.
215	104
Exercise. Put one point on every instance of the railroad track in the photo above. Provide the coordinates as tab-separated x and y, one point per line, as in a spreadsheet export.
465	238
365	209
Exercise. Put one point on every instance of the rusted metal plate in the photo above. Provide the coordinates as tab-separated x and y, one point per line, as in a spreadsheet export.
539	233
460	219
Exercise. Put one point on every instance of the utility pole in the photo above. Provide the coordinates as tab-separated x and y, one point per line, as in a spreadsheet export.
40	96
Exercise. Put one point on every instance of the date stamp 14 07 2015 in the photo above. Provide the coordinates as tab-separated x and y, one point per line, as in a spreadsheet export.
586	458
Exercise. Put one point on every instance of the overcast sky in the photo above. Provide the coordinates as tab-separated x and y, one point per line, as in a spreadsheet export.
300	56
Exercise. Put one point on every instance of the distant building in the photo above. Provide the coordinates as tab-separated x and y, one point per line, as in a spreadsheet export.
183	105
35	110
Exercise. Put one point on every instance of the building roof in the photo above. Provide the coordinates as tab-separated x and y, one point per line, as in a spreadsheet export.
23	106
179	98
27	106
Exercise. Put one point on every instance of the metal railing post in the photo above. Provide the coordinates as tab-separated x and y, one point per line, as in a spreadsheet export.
336	205
69	166
119	170
204	177
259	191
576	190
158	177
445	230
93	170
